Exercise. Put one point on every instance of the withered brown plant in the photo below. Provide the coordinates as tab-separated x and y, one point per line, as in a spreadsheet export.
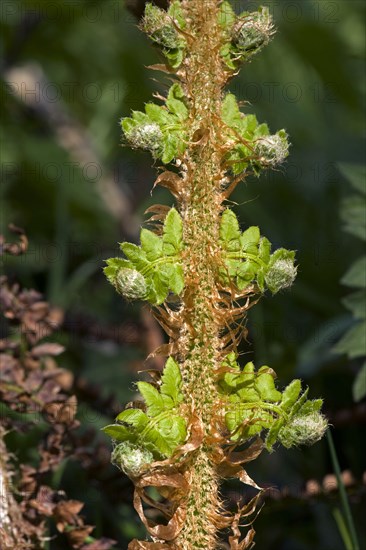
34	390
204	416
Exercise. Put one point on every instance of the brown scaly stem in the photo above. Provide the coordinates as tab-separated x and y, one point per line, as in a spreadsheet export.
199	343
180	439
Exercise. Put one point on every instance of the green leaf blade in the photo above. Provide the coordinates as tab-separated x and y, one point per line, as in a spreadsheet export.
151	244
172	233
175	102
291	394
250	240
153	399
119	432
171	381
230	231
134	417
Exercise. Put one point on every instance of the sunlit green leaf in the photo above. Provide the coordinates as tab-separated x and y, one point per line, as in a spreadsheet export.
229	230
264	250
119	432
175	102
155	441
227	15
246	274
249	240
157	114
265	384
273	433
291	394
230	110
176	279
135	417
171	381
136	255
174	431
160	283
172	233
151	244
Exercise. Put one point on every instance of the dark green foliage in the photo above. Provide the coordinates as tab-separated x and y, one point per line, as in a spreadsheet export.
353	214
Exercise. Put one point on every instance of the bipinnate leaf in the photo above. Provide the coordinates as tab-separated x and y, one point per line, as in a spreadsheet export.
118	432
162	128
173	430
291	394
171	381
264	250
230	110
136	255
176	278
162	27
172	233
160	285
134	417
155	401
248	258
265	385
175	102
227	15
255	405
154	440
229	231
151	244
273	432
157	113
161	429
249	240
153	269
170	148
301	402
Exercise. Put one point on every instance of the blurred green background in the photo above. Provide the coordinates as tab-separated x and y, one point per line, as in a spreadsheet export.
70	70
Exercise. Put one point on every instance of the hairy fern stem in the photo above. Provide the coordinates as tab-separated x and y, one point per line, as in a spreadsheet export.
201	274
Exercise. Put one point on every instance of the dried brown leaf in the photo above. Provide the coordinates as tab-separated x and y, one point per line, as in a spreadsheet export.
14	249
78	535
47	349
175	486
170	181
144	545
165	532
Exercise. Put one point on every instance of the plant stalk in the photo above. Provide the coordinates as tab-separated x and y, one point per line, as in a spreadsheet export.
199	343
